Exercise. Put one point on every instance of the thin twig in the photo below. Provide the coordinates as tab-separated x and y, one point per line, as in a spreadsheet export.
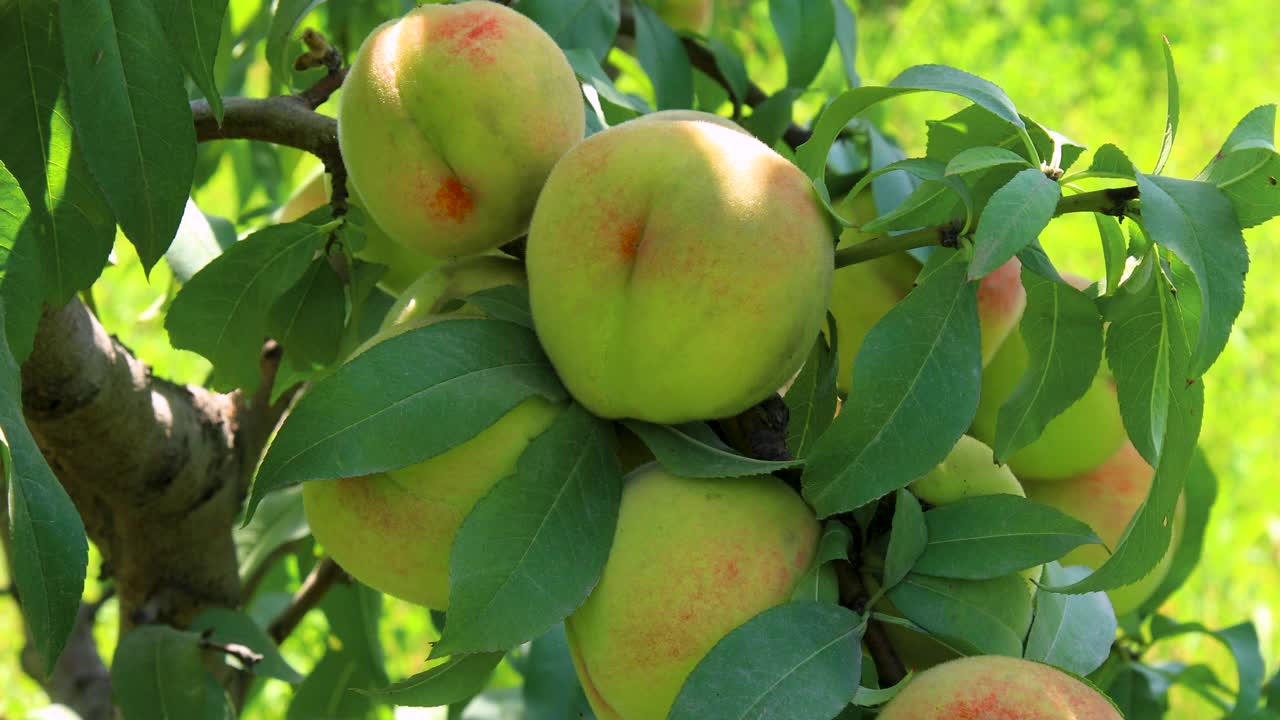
322	577
889	667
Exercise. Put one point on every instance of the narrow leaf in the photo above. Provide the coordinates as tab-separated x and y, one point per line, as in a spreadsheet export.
799	661
506	302
459	678
664	59
20	287
907	540
130	110
280	43
1072	632
811	399
1247	166
1063	335
1242	641
1201	492
978	617
378	411
1110	161
693	450
805	29
1114	249
222	311
194	28
915	392
231	627
47	537
1196	221
158	673
72	228
982	158
847	40
589	24
532	549
1012	219
1171	117
1140	354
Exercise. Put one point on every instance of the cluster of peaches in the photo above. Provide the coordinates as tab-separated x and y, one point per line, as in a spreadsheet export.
678	270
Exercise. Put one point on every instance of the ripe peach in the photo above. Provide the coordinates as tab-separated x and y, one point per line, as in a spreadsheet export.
450	120
991	687
691	560
678	270
1106	498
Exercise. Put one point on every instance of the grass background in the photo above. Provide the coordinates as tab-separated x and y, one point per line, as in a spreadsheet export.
1091	69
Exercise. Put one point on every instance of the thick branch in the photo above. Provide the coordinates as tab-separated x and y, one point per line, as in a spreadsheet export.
287	120
156	470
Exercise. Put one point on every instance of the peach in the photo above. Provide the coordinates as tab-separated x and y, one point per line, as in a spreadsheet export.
1001	300
691	560
450	120
693	15
1106	498
678	270
990	687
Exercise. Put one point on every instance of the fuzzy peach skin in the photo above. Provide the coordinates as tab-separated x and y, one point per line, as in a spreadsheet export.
991	687
1001	300
691	560
403	264
1078	440
1106	498
678	270
393	531
450	120
695	15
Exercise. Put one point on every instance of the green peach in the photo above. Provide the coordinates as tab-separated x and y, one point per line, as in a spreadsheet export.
1106	498
691	560
451	118
969	470
678	270
992	687
393	531
694	15
1081	438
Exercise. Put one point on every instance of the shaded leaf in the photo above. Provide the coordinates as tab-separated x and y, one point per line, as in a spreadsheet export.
805	30
158	673
194	28
228	626
664	59
693	450
907	539
978	617
459	678
1072	632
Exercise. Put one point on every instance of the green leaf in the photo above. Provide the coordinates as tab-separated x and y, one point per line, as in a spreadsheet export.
941	78
805	29
915	392
531	550
982	158
1114	249
158	673
977	617
811	157
731	66
280	520
1014	217
819	582
1063	335
200	239
922	207
280	42
231	627
1140	354
551	689
459	678
588	70
1147	537
693	450
1196	221
377	412
507	302
1072	632
811	399
1200	493
1242	641
834	543
847	40
329	690
222	311
308	318
72	227
130	110
20	289
1171	117
769	120
47	539
1246	167
588	24
354	612
662	55
194	28
907	540
994	535
799	661
1111	162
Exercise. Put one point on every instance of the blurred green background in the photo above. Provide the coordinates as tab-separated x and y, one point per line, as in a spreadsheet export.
1092	70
